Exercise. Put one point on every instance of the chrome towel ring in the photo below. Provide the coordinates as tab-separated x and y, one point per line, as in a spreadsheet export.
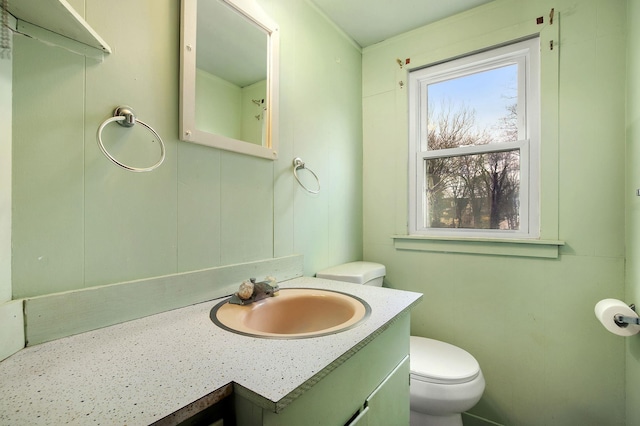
125	117
299	164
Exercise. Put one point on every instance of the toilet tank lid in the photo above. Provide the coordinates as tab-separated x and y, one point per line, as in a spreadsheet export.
354	272
440	362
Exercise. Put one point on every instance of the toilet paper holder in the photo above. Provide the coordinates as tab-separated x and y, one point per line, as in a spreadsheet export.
624	321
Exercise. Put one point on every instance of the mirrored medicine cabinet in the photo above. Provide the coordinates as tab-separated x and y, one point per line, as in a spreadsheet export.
229	76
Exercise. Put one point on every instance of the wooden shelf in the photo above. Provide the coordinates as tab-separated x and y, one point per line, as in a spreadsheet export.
58	17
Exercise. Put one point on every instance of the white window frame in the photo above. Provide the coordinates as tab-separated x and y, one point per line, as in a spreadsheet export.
527	55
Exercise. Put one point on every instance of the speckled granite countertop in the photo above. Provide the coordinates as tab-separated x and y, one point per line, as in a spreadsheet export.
141	371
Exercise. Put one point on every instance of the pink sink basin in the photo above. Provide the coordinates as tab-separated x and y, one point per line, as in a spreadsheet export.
294	313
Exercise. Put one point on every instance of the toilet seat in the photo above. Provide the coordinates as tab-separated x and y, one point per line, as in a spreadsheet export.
434	361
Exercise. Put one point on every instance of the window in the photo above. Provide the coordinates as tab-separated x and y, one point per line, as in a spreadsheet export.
474	145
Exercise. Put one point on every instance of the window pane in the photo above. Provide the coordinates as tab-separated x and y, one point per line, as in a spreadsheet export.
479	191
475	109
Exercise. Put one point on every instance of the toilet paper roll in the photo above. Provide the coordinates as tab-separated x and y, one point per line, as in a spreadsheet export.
607	309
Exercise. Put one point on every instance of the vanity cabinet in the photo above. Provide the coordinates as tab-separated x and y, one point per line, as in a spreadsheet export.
369	388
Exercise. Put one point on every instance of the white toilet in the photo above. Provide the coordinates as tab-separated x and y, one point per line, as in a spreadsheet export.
445	380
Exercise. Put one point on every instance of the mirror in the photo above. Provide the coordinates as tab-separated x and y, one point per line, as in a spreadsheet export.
229	76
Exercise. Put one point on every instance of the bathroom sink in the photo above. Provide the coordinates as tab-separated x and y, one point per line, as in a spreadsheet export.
294	313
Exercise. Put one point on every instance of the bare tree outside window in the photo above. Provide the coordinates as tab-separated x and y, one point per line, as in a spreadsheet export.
478	191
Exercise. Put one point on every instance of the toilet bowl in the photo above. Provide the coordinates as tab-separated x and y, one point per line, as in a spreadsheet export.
445	380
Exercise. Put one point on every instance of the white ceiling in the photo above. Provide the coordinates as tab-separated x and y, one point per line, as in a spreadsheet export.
371	21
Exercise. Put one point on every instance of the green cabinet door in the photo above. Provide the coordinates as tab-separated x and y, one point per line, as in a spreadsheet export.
389	404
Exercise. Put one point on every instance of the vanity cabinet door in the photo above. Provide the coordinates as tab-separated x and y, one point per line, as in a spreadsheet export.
389	403
362	419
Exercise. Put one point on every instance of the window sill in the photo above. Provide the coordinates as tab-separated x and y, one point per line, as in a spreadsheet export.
492	246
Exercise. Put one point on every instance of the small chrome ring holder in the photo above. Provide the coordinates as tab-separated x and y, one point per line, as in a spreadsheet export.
299	164
125	117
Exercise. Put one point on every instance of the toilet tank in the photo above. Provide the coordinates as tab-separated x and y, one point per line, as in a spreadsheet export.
367	273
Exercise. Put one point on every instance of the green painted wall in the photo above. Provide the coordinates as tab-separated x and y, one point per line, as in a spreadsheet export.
226	109
528	321
321	122
218	105
80	221
632	292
